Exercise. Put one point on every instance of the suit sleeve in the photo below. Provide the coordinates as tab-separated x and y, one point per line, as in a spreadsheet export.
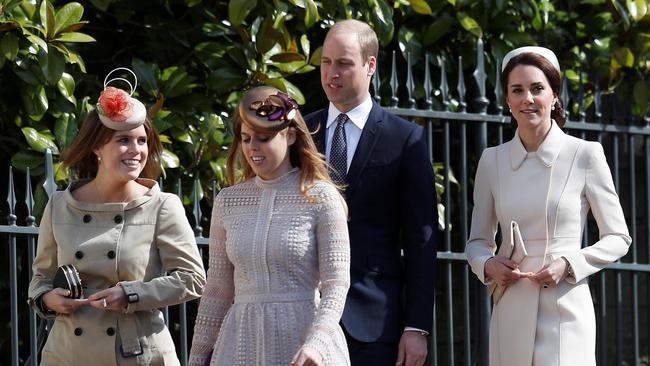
614	239
179	255
333	244
419	218
219	291
45	263
481	245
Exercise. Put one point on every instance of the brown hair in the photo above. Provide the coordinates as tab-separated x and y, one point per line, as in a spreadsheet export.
80	156
368	43
552	75
302	154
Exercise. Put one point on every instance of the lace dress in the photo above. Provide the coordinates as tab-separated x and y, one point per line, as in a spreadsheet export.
278	275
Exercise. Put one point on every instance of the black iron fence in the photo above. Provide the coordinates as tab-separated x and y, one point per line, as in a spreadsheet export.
456	136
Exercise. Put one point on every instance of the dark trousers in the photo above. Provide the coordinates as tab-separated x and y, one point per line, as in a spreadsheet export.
370	354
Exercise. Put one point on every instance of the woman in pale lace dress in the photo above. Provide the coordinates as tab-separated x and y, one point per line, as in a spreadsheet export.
279	248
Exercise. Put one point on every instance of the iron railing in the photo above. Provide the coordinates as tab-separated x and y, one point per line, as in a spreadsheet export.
456	137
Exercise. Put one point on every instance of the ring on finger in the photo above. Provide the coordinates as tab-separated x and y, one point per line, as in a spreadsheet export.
545	285
104	303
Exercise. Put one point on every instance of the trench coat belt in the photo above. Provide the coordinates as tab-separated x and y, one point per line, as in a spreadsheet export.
128	328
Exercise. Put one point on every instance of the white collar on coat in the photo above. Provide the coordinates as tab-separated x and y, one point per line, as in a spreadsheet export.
547	151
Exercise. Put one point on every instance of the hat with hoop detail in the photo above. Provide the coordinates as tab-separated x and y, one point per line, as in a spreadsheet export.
116	108
265	108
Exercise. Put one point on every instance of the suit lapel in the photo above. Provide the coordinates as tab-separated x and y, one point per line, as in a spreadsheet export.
369	137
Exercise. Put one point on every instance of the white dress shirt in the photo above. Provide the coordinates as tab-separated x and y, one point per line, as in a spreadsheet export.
358	116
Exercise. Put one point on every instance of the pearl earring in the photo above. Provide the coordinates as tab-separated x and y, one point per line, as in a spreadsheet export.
99	159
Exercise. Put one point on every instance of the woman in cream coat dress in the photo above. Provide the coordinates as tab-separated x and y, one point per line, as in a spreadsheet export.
546	182
131	243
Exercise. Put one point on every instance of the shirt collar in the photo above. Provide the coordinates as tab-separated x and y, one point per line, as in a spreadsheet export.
547	151
358	115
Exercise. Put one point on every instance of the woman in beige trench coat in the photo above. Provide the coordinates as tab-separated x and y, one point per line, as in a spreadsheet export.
546	182
131	244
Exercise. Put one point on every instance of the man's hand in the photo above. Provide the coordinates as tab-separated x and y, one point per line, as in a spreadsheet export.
412	349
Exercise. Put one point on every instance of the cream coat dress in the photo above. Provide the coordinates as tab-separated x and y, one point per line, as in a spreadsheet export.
147	246
548	193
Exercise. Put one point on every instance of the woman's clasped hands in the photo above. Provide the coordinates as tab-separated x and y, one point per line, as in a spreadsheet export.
506	272
112	298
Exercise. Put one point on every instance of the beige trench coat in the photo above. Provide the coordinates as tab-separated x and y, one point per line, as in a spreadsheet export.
147	246
548	193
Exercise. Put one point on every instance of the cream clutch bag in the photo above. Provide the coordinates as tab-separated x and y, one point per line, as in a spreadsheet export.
517	254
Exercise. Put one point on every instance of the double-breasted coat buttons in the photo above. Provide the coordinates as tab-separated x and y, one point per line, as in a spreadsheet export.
79	254
111	254
118	219
78	331
87	218
110	331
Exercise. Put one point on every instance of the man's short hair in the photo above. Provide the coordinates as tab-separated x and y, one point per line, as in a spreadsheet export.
368	43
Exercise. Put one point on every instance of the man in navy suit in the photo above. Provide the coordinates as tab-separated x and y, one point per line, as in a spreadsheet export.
383	162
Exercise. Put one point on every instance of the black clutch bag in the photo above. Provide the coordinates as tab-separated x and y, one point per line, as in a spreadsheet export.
67	277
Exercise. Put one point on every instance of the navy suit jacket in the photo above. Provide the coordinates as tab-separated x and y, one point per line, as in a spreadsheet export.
392	206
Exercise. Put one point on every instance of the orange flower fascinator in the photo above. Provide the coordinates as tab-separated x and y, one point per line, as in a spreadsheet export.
116	108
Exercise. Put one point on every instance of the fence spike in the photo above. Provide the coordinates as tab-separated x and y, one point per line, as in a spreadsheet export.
49	185
498	93
461	86
647	116
197	207
29	199
394	83
581	99
481	77
428	87
564	96
376	83
444	85
409	80
598	115
11	198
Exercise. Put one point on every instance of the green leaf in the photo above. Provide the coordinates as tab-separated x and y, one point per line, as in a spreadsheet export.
74	58
441	26
75	37
623	13
181	135
225	78
65	129
27	159
382	19
267	36
169	159
66	87
421	7
192	3
102	4
287	87
304	44
52	64
316	56
35	101
178	83
48	20
40	42
641	93
238	10
9	46
287	57
69	14
72	27
637	9
146	73
311	13
624	57
39	141
469	24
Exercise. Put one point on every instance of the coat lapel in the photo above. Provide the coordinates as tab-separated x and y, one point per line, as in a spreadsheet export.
318	130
